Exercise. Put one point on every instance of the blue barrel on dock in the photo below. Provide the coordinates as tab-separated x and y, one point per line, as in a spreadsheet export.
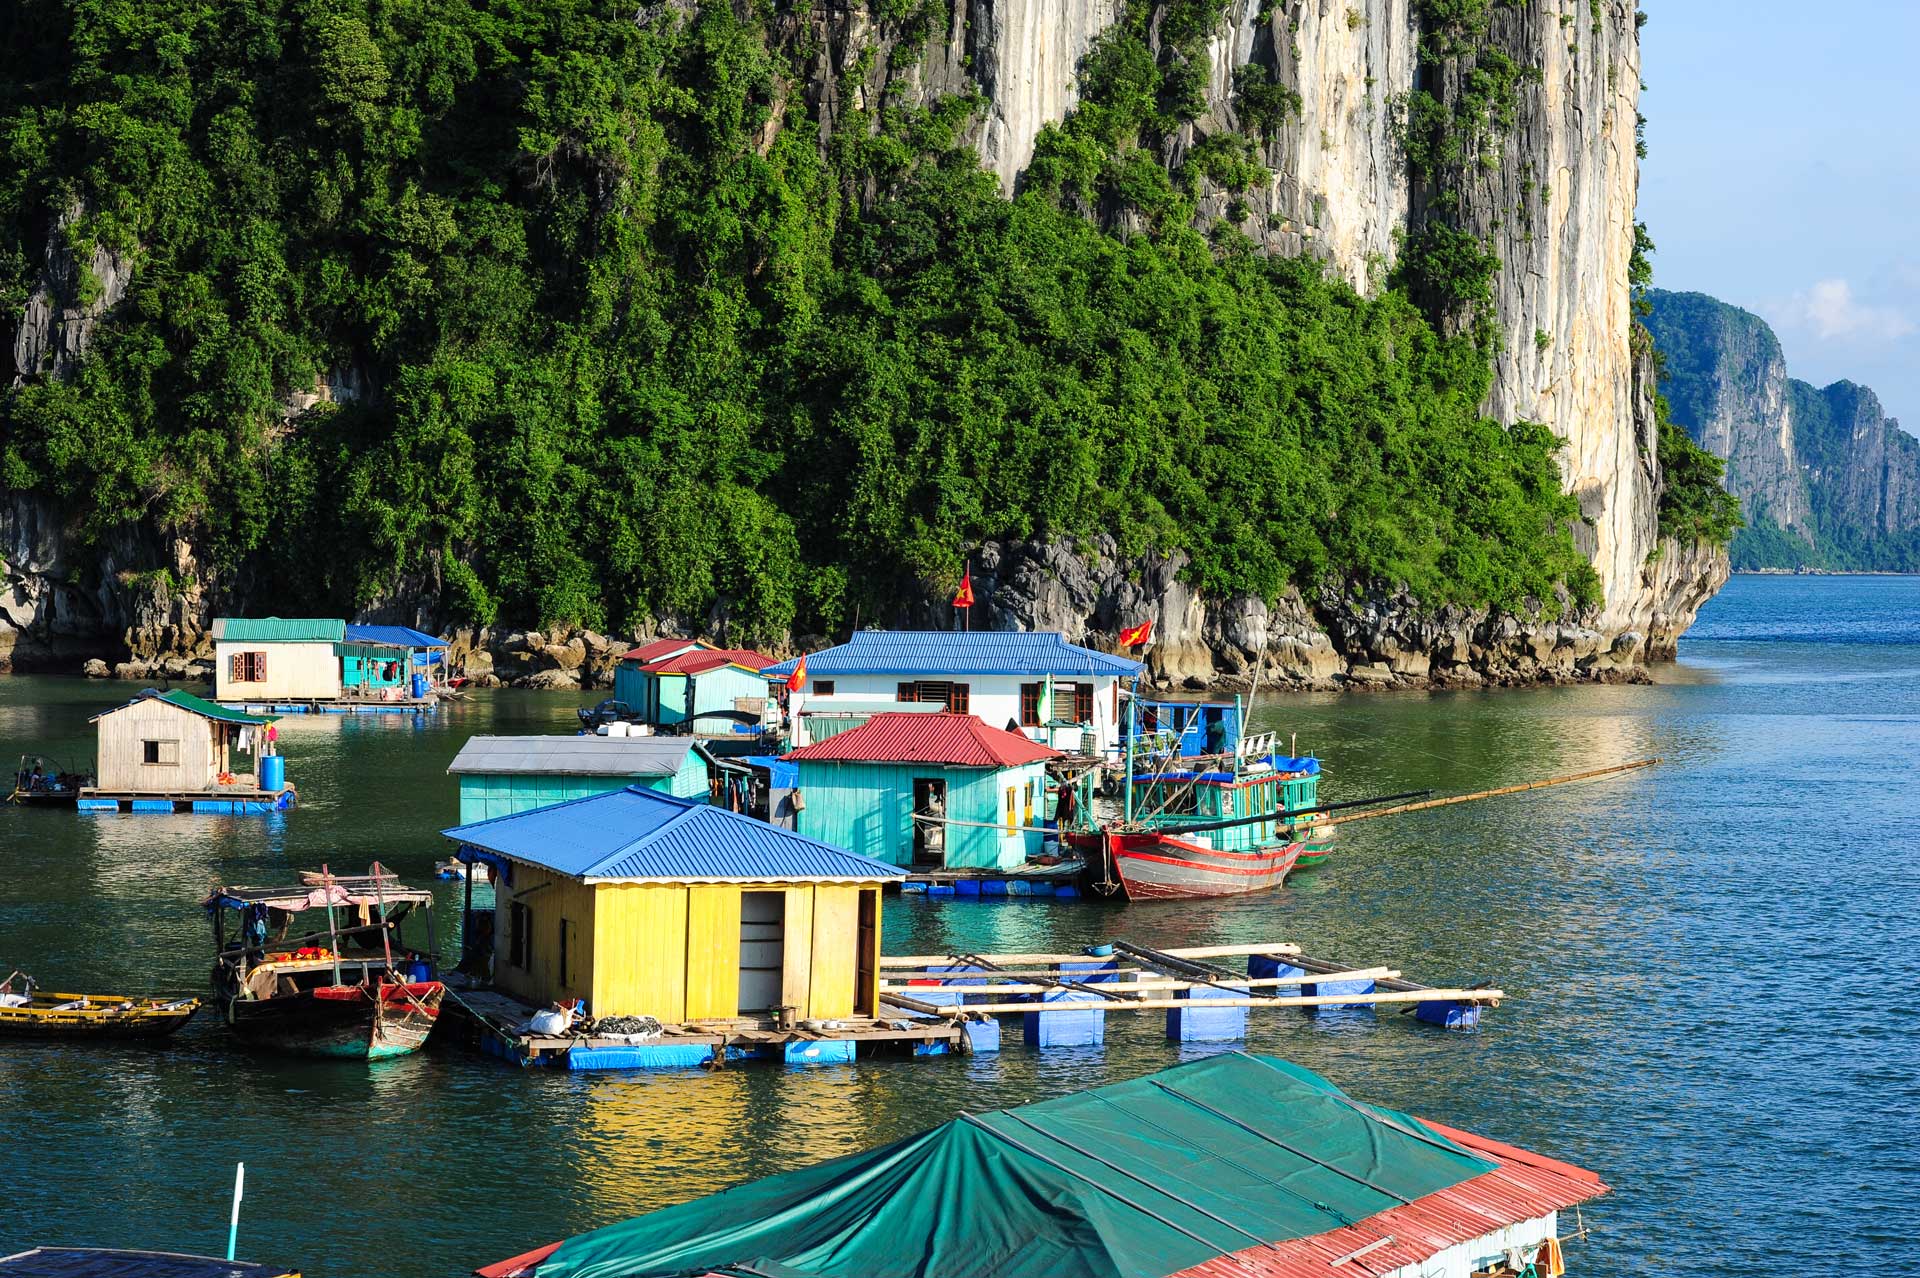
419	687
273	773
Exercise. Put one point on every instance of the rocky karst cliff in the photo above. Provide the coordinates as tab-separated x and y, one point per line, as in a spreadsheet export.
1828	480
1547	186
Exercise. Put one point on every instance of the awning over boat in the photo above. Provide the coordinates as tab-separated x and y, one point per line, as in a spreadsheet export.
1227	1156
316	896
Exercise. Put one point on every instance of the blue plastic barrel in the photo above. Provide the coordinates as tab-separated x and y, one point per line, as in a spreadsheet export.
273	772
419	687
419	970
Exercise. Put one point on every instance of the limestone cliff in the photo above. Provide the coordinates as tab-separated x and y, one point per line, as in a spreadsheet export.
1550	192
1827	479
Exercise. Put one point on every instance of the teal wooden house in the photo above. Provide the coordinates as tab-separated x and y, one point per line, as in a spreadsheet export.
929	791
500	776
673	682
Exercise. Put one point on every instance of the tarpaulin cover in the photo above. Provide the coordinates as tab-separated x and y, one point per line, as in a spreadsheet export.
1132	1180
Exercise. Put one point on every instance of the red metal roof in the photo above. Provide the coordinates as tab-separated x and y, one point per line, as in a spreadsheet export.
693	663
1526	1185
692	656
896	736
654	649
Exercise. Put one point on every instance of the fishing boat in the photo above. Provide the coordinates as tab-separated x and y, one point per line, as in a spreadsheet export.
32	1013
1211	825
322	969
36	783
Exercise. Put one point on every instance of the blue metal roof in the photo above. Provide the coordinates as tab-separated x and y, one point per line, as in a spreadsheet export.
394	636
959	652
638	833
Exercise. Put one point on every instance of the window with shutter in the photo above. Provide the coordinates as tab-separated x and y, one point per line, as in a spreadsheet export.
960	698
1083	702
1030	705
907	692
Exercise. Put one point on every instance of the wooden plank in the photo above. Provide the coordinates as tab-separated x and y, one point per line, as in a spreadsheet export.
836	934
1230	951
796	963
1318	1000
1125	988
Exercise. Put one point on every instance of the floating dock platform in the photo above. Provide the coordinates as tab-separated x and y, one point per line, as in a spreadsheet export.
427	706
1063	999
946	1004
1059	880
495	1023
222	802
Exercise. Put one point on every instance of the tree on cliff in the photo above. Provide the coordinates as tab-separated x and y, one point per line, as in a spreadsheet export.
611	329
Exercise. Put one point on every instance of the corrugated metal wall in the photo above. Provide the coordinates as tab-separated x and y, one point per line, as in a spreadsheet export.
640	953
484	797
868	808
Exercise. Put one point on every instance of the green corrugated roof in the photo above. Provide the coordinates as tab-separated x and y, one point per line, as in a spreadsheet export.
195	705
282	630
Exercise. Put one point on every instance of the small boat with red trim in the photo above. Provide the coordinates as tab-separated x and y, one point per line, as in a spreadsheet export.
352	989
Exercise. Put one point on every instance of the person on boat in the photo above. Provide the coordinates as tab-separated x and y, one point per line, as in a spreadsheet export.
1067	811
1216	734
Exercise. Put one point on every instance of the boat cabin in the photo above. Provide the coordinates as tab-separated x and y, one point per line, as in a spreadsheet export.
1186	728
1053	692
172	751
1277	785
500	776
940	791
327	931
643	904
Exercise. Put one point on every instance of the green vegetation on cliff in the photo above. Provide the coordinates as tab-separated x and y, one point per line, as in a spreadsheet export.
638	339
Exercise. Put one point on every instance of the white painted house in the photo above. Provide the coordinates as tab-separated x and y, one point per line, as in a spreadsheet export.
1050	690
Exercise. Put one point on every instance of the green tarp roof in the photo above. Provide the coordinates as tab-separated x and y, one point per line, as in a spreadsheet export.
280	630
1132	1180
198	705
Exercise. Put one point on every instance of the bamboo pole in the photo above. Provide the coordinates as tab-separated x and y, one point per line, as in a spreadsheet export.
1126	987
1281	948
1310	823
1317	1000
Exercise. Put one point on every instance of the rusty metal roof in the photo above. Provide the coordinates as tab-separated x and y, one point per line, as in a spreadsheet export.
958	740
1524	1186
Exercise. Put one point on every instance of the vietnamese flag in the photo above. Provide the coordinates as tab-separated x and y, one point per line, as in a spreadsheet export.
963	597
1134	636
798	679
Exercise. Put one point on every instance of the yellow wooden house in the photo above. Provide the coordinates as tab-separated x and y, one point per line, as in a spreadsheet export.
644	904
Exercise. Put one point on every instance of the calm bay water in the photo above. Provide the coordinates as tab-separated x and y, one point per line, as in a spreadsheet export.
1713	966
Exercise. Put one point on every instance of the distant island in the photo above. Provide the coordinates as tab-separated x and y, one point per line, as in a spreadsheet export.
1826	480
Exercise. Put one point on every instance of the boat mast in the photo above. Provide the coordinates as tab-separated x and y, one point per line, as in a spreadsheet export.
380	903
333	936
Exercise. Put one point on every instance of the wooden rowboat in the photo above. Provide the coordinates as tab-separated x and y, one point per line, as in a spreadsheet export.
95	1016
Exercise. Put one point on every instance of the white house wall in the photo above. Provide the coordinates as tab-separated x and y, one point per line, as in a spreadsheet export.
295	672
1462	1260
994	699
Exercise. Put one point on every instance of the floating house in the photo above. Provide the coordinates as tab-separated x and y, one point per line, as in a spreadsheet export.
173	752
300	664
500	776
939	791
690	686
422	666
1055	692
1232	1166
644	904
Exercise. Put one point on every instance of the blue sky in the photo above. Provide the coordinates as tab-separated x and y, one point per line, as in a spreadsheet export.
1783	175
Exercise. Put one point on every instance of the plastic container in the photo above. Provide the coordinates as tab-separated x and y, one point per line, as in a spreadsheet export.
273	773
419	687
419	970
1100	951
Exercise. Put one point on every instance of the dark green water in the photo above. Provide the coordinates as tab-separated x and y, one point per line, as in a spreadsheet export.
1713	966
